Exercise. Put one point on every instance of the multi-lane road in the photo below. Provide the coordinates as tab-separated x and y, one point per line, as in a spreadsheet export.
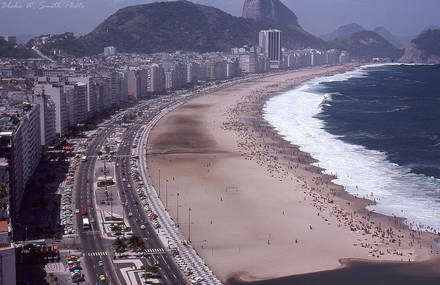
91	239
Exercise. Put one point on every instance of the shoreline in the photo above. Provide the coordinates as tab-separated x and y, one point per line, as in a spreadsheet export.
425	240
247	140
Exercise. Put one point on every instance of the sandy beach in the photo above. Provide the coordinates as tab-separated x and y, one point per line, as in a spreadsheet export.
258	208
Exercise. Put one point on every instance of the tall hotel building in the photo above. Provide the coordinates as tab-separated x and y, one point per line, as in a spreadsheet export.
270	42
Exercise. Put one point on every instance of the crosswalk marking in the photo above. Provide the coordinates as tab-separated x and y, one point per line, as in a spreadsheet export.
155	251
98	253
148	251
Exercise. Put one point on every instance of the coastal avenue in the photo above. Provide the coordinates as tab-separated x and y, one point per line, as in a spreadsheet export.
170	273
91	240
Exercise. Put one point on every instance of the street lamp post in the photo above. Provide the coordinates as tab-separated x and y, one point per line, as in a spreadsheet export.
177	208
159	182
189	225
166	194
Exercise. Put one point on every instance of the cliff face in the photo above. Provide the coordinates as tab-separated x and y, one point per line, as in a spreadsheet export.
273	10
412	54
424	49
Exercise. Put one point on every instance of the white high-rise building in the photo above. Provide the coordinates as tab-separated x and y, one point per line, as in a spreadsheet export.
91	96
115	88
47	114
155	79
31	140
270	42
76	97
58	96
170	79
124	87
248	63
192	71
20	144
133	84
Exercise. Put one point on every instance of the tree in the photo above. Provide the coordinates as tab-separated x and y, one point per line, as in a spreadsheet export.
3	191
120	245
116	228
135	243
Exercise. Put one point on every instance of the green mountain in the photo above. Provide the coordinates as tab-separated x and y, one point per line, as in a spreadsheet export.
343	32
366	45
424	49
8	50
384	33
178	25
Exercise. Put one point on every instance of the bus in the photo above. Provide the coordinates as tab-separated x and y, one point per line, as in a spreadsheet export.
105	181
86	223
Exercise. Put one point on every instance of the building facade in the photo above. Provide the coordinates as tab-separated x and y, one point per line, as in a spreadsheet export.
155	79
270	42
56	93
20	145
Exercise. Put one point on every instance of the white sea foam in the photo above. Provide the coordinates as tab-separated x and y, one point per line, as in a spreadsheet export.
361	171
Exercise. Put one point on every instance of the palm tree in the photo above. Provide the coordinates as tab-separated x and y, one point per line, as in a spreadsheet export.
135	243
120	245
3	191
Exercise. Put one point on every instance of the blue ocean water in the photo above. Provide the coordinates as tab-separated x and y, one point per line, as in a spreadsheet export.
377	129
394	109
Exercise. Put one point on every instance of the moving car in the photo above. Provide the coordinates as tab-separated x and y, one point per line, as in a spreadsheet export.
100	263
102	277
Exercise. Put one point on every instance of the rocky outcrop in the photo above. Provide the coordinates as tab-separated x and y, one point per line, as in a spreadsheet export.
414	55
424	49
273	10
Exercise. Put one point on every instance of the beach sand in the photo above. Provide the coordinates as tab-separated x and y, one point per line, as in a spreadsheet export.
258	208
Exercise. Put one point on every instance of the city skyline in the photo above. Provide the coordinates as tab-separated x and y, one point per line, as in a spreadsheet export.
30	17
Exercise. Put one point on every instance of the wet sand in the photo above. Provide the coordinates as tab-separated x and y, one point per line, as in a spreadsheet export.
258	208
363	273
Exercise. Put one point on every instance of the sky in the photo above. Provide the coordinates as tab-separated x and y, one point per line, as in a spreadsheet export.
401	17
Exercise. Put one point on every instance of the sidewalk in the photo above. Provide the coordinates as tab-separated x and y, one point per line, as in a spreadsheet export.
169	233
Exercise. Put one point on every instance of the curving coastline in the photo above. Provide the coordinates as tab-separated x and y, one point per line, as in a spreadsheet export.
257	205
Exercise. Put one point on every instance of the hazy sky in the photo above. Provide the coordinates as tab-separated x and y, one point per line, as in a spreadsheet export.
401	17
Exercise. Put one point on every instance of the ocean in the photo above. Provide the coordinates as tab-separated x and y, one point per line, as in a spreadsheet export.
378	129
